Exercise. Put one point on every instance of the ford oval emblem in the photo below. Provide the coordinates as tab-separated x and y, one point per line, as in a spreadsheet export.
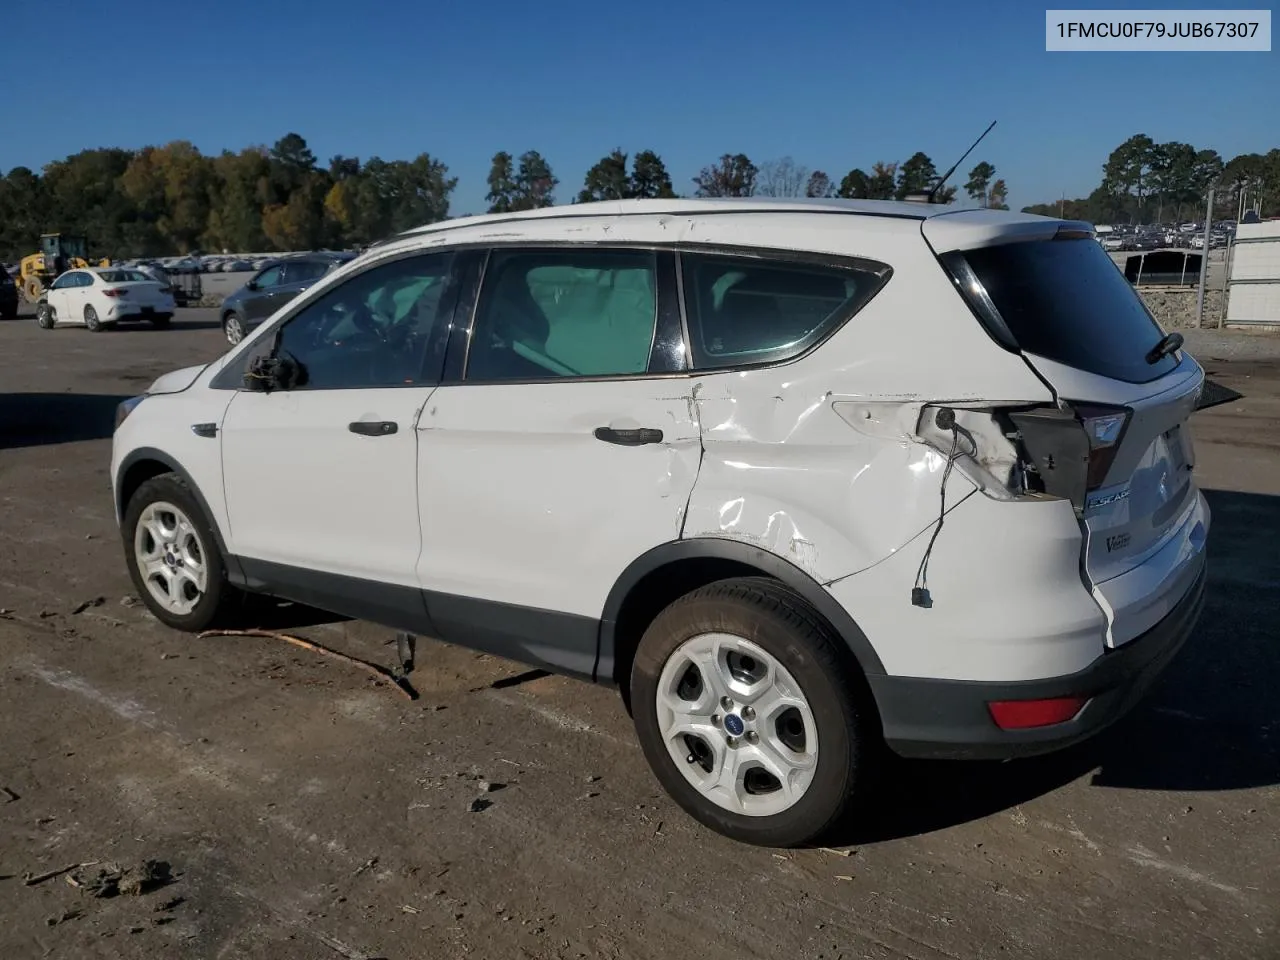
733	725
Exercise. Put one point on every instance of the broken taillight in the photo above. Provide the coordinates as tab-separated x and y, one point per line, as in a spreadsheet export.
1104	426
1070	448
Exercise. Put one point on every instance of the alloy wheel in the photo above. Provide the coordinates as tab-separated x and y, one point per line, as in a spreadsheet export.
170	557
737	724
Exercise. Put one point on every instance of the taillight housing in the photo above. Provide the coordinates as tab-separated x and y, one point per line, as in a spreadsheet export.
1071	447
1104	427
113	292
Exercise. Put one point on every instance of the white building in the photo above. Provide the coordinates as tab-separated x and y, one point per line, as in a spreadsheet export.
1253	283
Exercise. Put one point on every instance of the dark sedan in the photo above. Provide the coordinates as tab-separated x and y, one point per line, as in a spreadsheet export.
272	287
8	296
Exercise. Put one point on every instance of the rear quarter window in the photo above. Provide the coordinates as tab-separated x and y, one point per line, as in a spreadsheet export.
745	311
1066	301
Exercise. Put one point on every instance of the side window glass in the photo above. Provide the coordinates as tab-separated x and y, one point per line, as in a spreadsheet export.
64	281
373	330
566	313
748	311
270	277
301	271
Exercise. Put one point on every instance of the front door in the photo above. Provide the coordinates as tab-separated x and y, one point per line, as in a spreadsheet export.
321	479
66	296
262	303
561	456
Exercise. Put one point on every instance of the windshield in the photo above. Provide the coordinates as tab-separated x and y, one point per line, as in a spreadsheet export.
1066	301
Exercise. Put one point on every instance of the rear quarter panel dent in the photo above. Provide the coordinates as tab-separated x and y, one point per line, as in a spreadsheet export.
789	475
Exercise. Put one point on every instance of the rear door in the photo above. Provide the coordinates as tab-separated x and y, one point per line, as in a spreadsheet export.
78	292
562	452
1083	328
298	276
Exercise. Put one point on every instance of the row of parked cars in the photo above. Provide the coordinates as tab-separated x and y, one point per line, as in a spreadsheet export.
195	263
1186	236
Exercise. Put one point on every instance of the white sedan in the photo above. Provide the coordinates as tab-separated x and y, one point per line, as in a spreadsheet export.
101	297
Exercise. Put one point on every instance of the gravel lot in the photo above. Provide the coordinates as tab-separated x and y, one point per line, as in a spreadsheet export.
307	812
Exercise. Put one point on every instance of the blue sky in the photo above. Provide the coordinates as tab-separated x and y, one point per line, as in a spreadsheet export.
834	85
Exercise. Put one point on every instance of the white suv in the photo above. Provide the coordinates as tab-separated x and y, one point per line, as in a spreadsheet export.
704	451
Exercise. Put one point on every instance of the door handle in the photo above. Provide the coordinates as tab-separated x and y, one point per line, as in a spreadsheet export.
629	438
373	428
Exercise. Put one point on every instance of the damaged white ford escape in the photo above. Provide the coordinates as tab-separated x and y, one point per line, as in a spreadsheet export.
803	479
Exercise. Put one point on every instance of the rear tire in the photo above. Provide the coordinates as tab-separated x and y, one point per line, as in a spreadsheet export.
161	320
793	706
233	328
91	319
173	557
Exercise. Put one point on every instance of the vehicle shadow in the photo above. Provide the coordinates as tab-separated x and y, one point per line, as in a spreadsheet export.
40	419
178	323
1212	721
267	613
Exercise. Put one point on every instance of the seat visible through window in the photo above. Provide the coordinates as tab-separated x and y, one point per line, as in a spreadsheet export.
565	314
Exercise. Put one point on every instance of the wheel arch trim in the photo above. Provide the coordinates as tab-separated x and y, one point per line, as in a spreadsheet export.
234	573
718	548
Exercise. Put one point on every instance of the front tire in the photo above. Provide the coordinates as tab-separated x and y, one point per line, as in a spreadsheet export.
748	712
173	556
91	319
45	316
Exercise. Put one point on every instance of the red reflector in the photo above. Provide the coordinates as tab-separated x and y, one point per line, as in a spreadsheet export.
1021	714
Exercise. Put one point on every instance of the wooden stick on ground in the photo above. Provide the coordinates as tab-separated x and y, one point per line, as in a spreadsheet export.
382	673
31	880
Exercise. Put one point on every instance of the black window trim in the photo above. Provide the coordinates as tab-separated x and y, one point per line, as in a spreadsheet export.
468	274
459	345
231	376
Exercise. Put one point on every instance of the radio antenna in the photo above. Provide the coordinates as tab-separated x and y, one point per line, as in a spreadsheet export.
947	176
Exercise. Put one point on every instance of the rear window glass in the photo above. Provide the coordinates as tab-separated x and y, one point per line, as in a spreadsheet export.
747	311
125	276
299	271
1064	300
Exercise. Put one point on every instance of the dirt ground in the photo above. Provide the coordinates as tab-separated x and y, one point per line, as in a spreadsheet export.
306	811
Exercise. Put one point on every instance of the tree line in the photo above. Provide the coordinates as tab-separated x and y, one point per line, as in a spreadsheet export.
173	199
1144	181
735	175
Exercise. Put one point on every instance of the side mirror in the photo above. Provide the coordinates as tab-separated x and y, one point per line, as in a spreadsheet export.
251	285
268	373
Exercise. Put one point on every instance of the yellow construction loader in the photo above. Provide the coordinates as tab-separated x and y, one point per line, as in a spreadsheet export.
59	252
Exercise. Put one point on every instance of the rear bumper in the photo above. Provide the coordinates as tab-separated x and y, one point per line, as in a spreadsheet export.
137	313
950	719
